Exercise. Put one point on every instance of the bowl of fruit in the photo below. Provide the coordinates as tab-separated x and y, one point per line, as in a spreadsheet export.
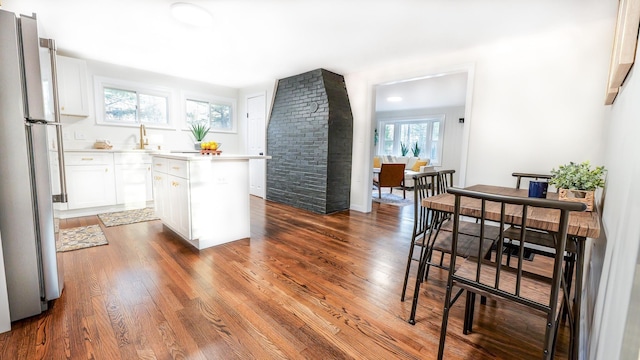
210	148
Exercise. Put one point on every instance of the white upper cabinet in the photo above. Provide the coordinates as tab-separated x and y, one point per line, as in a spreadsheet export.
72	86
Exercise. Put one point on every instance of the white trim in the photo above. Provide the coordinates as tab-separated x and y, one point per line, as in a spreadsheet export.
189	95
100	82
402	120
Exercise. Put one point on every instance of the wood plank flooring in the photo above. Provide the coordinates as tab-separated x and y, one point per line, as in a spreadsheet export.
304	286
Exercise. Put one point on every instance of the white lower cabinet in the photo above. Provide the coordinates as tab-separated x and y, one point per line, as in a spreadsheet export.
133	179
90	180
172	196
205	200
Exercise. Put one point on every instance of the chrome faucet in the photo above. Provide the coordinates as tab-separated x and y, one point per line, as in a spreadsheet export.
143	134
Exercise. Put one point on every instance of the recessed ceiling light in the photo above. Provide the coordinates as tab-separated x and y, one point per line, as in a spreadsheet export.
191	14
394	99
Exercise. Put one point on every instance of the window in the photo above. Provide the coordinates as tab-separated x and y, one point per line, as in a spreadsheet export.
217	113
427	133
123	103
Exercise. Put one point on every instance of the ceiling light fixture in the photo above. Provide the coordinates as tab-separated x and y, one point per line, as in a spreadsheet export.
191	14
394	99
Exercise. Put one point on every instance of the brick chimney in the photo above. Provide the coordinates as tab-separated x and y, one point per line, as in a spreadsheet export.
309	137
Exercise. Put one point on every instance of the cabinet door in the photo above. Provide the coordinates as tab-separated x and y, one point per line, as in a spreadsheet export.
90	185
179	208
161	196
133	184
72	86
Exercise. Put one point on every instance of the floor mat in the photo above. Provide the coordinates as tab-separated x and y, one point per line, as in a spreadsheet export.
80	238
127	217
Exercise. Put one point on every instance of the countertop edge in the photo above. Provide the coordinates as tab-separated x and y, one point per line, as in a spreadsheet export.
198	157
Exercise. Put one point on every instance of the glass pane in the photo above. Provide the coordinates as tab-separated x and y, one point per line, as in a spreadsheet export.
221	117
414	136
387	145
197	111
434	151
435	135
119	105
153	109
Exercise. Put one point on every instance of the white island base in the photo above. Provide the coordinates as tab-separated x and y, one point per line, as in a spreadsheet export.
203	198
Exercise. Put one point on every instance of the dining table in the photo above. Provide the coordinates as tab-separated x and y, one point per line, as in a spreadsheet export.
582	225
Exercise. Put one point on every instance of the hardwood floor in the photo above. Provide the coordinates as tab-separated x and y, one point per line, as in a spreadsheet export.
303	286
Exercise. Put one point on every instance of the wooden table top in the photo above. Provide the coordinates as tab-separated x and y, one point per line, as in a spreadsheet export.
586	224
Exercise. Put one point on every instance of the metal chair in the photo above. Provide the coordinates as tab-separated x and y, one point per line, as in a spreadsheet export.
439	237
390	175
520	176
495	280
425	185
540	242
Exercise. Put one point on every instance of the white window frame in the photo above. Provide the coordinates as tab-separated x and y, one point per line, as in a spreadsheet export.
397	122
211	99
100	83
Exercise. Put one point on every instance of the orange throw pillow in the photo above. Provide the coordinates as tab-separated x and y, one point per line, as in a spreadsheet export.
418	164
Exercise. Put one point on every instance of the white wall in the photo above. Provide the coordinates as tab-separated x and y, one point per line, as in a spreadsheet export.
620	219
178	138
537	103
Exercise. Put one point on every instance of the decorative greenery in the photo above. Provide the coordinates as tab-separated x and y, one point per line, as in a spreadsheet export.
578	176
415	150
404	149
199	131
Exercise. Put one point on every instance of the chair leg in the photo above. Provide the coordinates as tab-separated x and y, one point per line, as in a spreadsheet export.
469	308
406	274
379	192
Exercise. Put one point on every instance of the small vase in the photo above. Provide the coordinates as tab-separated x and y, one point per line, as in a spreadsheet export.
196	145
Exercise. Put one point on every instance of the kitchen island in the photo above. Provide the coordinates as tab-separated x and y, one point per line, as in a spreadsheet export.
203	198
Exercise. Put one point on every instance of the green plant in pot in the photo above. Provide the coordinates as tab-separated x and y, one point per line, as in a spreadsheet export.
199	130
578	181
404	150
415	150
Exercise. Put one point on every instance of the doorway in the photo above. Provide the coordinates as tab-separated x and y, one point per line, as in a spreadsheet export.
445	96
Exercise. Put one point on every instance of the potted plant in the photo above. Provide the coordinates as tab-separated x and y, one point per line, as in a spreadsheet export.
199	131
578	182
415	150
404	150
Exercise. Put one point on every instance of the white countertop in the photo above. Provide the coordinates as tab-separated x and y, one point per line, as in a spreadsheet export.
145	151
198	157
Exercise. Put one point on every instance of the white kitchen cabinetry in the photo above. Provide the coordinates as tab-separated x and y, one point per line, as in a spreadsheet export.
203	199
90	179
72	86
133	179
172	195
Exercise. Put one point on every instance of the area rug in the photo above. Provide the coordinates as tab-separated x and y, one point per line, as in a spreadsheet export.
127	217
80	238
393	199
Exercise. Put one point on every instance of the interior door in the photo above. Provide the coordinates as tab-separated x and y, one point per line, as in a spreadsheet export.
256	143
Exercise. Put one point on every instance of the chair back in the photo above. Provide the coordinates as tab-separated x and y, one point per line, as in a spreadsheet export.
497	280
520	176
391	175
424	185
445	180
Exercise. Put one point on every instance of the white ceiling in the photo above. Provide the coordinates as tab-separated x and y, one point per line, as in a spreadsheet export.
429	92
253	41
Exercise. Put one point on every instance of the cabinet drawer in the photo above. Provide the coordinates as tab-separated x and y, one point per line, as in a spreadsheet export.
88	158
179	168
161	165
128	158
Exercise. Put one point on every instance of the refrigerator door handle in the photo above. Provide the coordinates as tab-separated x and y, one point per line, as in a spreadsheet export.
51	45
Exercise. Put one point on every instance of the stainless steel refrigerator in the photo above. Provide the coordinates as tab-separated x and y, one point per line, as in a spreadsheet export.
30	140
